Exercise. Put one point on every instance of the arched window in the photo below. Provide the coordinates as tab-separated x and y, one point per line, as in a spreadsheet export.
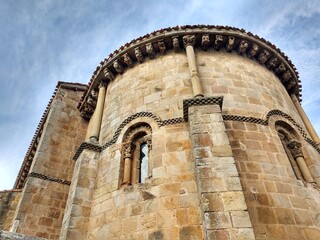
293	149
135	164
285	138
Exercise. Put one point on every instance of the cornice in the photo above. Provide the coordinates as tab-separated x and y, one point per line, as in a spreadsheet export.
169	40
26	164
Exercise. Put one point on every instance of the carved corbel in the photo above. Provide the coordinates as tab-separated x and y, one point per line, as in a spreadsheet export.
243	47
91	101
108	74
88	108
218	42
102	84
176	44
295	148
189	40
263	56
272	63
286	76
230	43
117	66
86	115
290	84
205	40
149	49
138	54
162	46
94	94
127	60
281	68
253	51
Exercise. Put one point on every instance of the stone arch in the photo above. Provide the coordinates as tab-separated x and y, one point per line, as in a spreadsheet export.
292	145
136	164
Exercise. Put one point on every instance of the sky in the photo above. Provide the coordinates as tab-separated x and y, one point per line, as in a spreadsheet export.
43	42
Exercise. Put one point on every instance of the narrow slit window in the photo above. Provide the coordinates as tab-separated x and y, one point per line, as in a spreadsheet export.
143	162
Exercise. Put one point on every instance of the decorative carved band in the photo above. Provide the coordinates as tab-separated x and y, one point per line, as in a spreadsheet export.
186	104
48	178
86	145
244	119
199	101
172	121
274	112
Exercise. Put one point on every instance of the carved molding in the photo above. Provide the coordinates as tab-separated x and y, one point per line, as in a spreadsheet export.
48	178
200	101
186	104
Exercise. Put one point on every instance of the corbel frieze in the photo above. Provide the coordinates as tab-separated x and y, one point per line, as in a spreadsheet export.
246	45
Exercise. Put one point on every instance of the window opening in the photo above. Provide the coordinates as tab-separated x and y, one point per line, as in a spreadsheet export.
143	162
135	162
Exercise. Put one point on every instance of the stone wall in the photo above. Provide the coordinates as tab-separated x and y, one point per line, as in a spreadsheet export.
248	88
280	205
8	204
44	195
157	86
165	207
174	193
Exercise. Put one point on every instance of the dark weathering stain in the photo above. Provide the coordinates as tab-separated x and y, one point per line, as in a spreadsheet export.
157	235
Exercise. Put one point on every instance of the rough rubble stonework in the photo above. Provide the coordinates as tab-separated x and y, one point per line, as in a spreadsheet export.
230	152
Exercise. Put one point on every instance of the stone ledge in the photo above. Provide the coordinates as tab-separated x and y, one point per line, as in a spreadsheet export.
4	235
199	101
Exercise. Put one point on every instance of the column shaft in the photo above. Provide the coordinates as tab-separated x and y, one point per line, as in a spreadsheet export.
304	169
195	79
94	126
127	171
305	120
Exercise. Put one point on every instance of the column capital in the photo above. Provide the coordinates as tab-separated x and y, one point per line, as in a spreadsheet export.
128	149
189	40
102	84
295	148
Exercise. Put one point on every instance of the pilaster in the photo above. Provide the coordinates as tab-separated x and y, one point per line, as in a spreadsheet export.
78	207
224	209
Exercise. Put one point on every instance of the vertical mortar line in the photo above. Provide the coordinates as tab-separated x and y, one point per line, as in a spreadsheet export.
305	120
